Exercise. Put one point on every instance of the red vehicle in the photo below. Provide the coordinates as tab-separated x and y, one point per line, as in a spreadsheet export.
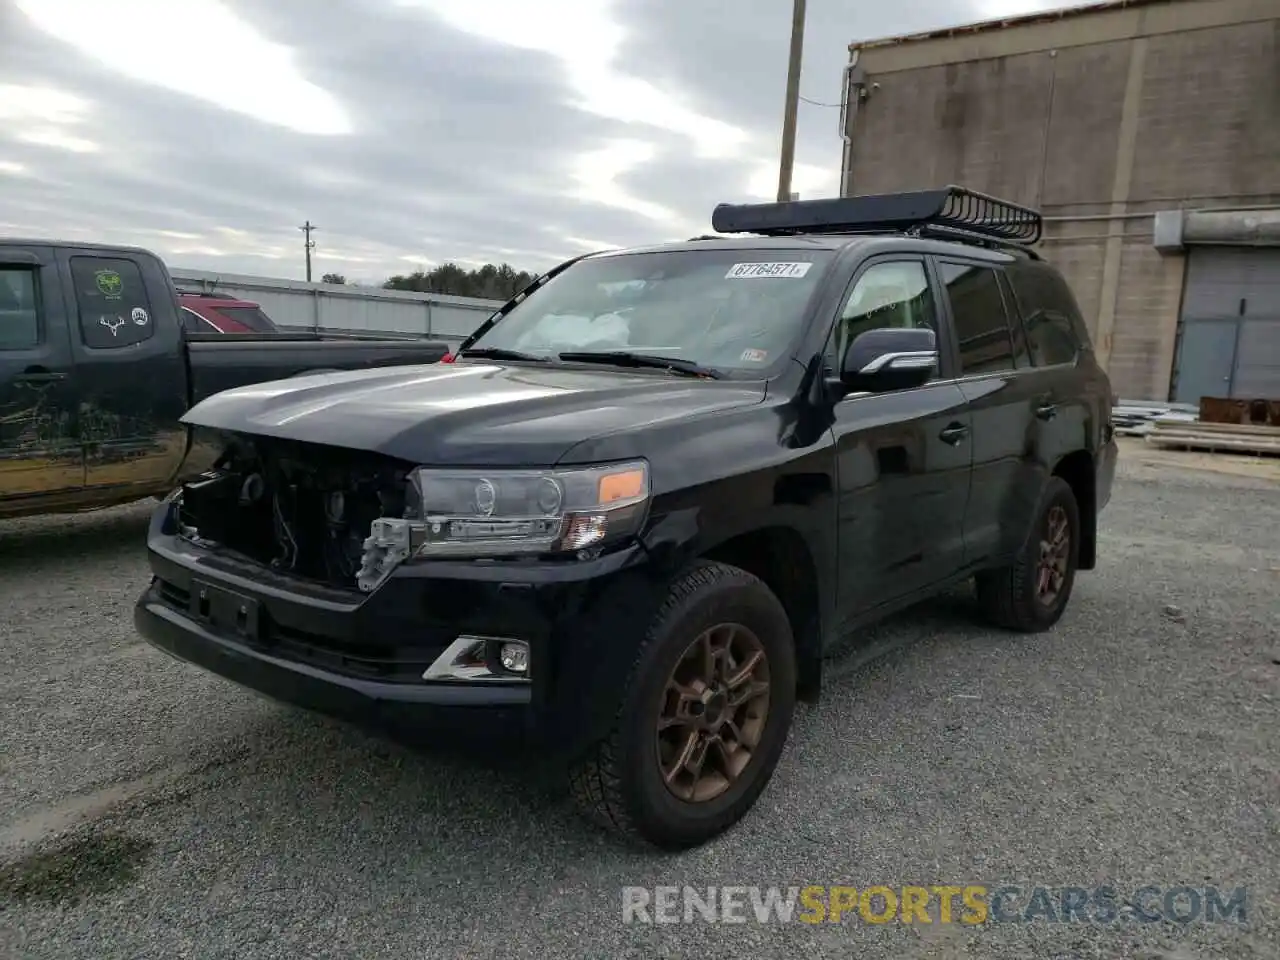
209	313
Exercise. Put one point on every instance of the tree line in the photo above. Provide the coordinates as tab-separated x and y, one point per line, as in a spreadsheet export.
490	282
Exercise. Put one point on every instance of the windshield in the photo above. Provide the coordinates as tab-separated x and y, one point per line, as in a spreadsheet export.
730	310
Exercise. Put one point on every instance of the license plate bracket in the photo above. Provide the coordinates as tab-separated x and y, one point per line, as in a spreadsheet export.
225	610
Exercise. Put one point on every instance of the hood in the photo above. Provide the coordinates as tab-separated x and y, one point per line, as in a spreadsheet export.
466	413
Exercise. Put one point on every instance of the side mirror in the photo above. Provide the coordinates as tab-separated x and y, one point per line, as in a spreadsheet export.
890	358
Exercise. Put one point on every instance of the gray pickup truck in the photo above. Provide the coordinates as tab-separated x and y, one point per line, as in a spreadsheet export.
96	372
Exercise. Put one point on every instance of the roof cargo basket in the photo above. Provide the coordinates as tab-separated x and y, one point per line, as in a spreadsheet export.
950	213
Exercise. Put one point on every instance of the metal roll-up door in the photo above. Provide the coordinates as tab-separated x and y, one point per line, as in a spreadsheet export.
1230	337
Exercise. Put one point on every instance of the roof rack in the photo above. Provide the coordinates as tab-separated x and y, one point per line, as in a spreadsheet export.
951	213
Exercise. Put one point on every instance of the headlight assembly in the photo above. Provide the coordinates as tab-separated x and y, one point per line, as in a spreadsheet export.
506	513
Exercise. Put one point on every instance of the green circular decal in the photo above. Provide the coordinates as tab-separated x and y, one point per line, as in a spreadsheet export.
109	282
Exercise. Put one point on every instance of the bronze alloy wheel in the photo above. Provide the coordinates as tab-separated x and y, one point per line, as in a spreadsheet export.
714	709
1055	551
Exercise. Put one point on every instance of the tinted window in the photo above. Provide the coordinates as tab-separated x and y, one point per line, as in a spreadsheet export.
890	294
112	302
732	310
978	313
1039	289
251	317
1050	338
19	314
192	322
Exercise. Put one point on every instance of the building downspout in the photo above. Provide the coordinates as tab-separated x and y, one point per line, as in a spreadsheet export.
1126	148
853	92
1048	128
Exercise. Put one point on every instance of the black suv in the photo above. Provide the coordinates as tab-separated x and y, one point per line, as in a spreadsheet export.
626	521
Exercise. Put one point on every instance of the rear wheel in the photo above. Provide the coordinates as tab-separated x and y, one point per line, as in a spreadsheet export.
704	718
1031	593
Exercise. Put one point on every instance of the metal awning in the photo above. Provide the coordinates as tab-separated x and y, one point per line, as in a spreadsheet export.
1175	230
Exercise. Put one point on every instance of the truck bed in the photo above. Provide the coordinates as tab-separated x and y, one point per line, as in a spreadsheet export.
219	362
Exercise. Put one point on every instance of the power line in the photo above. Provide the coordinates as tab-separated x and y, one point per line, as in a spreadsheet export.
817	103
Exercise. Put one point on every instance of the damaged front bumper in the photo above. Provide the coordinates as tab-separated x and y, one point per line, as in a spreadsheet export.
390	659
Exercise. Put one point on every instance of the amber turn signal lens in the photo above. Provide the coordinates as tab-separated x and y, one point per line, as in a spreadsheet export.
621	486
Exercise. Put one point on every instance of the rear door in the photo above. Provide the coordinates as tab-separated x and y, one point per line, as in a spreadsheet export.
1066	370
39	450
1010	402
1072	388
130	366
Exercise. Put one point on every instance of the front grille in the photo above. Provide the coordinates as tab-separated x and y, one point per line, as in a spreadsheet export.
302	509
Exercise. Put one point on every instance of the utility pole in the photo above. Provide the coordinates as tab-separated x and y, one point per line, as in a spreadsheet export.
793	101
308	245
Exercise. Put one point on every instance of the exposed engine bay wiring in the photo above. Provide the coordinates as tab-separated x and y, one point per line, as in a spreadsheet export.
284	537
299	508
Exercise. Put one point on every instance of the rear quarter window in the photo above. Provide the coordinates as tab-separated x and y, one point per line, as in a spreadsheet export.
1051	339
1056	331
112	302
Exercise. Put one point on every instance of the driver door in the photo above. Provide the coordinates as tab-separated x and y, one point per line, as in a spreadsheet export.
903	457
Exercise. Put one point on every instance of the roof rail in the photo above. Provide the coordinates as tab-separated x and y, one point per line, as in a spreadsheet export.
951	213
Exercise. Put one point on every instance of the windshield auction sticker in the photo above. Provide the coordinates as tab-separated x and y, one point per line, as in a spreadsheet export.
749	271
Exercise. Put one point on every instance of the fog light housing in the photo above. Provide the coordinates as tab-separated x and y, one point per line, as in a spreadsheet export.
514	656
481	659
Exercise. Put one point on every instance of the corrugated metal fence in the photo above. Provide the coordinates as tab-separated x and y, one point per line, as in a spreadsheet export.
335	308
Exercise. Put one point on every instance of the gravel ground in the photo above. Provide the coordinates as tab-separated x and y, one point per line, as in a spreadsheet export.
148	810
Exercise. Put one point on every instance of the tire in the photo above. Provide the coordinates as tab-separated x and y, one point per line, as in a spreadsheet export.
1011	596
620	782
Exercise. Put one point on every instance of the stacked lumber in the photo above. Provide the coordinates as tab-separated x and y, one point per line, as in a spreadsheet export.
1135	418
1215	437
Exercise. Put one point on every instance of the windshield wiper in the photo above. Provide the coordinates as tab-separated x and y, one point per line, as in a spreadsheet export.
500	353
624	358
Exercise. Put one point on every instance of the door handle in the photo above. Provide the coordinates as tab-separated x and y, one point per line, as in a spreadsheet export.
1047	411
40	375
953	433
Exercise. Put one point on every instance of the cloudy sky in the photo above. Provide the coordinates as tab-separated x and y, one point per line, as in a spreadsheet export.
414	131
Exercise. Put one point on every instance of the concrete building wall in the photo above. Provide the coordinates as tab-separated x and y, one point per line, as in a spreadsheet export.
1099	118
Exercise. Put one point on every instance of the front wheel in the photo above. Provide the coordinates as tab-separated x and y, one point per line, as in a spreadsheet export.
704	717
1031	593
